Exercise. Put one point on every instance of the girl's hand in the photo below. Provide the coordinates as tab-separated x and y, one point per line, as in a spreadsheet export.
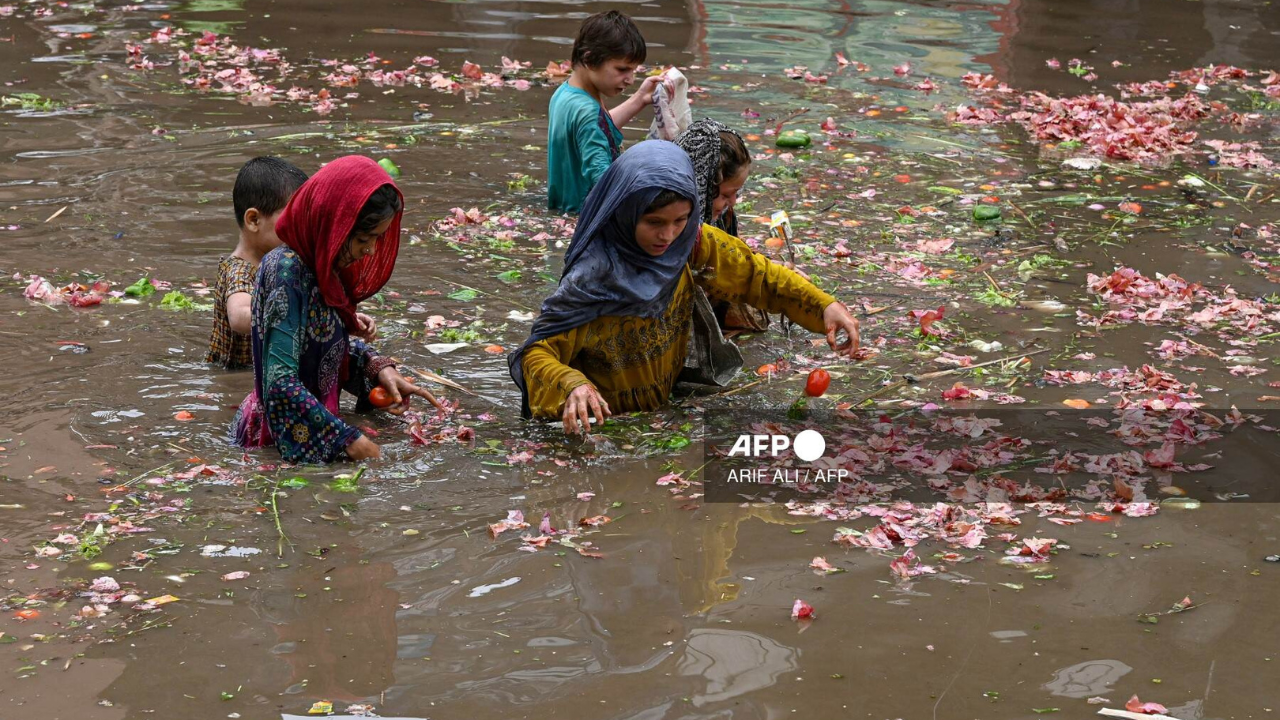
362	448
584	402
366	328
401	390
836	317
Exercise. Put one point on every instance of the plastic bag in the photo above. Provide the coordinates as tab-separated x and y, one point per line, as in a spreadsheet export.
671	112
712	360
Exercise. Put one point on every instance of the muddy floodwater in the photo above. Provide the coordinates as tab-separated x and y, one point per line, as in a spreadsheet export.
149	569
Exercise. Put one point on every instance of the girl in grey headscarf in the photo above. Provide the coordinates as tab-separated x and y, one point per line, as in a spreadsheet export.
721	164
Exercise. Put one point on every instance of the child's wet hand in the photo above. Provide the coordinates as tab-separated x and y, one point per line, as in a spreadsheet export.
836	317
401	390
363	449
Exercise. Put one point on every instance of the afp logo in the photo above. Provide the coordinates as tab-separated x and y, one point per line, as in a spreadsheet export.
809	445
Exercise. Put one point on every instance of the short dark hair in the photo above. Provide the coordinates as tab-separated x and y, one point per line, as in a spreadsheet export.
266	184
606	36
381	206
665	198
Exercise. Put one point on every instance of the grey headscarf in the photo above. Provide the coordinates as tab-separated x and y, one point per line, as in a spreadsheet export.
702	143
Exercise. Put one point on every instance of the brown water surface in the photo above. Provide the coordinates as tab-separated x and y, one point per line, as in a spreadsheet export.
397	596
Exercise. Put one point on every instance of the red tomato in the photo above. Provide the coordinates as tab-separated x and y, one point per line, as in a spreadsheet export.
819	381
379	397
27	614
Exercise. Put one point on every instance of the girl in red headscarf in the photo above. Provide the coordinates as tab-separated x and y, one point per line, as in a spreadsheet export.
341	233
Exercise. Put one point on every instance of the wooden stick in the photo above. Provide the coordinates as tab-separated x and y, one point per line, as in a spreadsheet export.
1024	215
909	379
778	128
994	284
740	388
432	377
1204	349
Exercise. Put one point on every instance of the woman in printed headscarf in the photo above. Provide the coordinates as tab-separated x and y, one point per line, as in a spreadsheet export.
721	164
614	335
341	234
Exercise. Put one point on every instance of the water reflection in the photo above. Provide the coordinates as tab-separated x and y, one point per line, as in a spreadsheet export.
734	662
341	640
880	33
1087	679
1150	37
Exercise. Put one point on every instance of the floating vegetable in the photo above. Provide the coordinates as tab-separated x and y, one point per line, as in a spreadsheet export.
142	288
380	398
794	139
818	382
986	213
390	167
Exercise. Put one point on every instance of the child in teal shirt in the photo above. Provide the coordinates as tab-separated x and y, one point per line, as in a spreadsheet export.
583	138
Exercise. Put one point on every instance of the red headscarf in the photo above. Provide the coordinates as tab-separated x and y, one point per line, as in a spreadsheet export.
320	217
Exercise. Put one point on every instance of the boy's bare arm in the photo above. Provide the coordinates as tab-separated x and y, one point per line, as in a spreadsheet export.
629	108
240	312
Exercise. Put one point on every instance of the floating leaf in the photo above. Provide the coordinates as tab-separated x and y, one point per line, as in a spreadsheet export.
463	295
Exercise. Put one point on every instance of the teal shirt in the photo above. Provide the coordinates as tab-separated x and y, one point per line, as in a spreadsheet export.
582	142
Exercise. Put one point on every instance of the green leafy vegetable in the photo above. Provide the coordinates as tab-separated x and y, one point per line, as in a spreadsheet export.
142	288
176	301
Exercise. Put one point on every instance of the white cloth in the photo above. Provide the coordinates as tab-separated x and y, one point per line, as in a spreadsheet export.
671	112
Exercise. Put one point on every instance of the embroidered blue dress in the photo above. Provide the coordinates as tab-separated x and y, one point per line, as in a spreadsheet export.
302	359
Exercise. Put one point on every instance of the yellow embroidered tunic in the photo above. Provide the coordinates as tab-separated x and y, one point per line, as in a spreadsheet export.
634	361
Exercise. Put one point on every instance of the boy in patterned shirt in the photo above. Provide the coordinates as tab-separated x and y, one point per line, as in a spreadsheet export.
263	187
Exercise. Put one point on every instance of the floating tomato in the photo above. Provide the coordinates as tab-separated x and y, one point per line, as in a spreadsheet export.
1132	208
27	614
379	397
818	382
769	369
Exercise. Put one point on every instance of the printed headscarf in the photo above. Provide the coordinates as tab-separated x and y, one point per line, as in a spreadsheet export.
703	144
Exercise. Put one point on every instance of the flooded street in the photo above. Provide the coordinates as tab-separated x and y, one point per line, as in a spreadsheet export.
242	588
